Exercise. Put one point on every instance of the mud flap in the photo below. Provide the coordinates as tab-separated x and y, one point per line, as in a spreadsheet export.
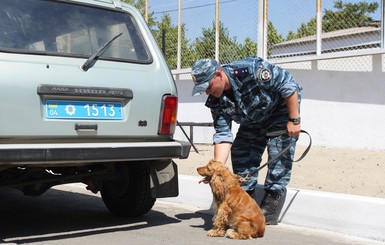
164	179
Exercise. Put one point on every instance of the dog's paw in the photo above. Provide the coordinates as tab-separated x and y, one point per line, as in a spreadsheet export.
232	234
216	233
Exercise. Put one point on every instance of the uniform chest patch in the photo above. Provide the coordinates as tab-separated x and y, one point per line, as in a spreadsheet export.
241	72
264	75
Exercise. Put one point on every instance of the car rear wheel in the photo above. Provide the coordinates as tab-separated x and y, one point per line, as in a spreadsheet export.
129	195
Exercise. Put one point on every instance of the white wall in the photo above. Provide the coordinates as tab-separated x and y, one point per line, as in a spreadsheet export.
339	108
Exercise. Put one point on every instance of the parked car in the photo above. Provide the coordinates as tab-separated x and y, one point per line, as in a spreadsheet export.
86	96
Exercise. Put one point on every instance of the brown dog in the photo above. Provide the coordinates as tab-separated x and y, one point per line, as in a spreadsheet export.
235	209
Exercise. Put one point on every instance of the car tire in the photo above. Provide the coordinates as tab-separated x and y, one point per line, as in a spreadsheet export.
129	195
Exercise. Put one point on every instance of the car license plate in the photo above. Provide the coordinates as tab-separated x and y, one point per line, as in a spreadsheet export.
91	110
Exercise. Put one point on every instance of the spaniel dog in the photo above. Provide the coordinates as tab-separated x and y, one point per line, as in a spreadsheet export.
237	215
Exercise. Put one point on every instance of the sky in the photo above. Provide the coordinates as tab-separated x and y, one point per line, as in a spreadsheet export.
240	16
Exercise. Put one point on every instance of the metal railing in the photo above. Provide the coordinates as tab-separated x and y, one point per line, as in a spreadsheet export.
191	126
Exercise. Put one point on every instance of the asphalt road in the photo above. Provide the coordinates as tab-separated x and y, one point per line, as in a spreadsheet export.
70	215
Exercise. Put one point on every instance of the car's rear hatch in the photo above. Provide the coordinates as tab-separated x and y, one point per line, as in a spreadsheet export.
46	92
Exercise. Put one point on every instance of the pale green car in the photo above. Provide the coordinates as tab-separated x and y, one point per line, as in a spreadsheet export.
86	96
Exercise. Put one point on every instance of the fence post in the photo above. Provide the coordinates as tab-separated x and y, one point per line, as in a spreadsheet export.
192	133
262	28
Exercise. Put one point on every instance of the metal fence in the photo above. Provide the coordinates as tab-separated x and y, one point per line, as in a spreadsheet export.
340	35
283	31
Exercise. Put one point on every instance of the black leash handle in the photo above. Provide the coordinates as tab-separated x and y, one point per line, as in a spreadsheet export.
307	148
278	133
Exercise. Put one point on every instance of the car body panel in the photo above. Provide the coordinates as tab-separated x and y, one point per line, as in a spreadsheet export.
86	96
143	80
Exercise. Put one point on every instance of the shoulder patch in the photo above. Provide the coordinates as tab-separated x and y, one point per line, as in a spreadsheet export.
264	74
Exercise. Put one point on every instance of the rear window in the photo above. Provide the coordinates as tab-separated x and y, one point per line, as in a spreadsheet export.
64	29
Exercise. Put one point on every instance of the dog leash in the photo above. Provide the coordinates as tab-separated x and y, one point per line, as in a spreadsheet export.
279	155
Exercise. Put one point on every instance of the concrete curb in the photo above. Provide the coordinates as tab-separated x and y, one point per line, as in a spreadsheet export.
347	214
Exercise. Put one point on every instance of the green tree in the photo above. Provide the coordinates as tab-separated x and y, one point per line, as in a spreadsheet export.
272	34
308	29
304	30
169	32
291	35
249	48
229	48
348	15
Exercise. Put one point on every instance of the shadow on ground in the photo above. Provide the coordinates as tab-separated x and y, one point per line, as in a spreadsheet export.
59	214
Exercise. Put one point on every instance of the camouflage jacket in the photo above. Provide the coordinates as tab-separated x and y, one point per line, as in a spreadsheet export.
258	87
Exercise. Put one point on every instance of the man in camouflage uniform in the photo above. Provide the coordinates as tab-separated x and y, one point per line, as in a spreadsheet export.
262	98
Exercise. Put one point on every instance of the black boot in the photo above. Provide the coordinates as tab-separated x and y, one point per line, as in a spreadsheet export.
272	205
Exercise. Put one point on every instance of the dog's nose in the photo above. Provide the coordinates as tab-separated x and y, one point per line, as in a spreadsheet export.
200	170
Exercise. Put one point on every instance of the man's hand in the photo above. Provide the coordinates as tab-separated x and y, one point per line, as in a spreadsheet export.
293	130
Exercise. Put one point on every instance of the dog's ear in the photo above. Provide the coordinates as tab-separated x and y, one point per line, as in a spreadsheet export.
230	178
218	185
219	174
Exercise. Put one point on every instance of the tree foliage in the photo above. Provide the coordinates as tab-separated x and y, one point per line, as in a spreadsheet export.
167	37
249	48
347	15
229	48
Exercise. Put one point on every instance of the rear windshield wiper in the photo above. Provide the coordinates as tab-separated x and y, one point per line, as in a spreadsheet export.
92	60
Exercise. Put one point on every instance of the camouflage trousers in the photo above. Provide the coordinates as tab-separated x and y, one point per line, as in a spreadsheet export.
246	155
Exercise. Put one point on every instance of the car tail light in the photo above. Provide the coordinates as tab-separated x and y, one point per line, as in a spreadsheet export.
169	111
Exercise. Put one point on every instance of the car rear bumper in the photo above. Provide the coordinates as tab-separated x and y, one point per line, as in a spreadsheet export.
14	154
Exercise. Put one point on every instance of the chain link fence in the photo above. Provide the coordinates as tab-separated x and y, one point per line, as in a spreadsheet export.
343	26
294	28
340	35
